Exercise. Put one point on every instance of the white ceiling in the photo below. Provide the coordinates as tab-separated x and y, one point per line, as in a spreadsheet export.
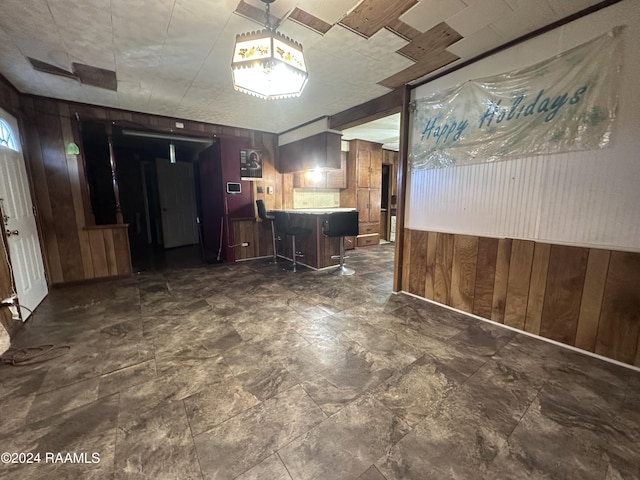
384	130
172	57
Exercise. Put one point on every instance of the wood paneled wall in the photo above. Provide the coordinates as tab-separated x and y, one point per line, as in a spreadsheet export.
257	234
72	252
583	297
108	251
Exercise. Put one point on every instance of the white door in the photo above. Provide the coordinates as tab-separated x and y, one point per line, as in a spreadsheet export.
19	219
177	203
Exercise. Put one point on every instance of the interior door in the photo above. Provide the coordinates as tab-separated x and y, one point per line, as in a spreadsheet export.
177	203
20	223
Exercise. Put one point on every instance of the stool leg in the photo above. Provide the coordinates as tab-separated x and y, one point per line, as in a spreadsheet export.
273	240
342	270
293	250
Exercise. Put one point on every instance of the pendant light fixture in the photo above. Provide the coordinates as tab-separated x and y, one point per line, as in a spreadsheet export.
268	64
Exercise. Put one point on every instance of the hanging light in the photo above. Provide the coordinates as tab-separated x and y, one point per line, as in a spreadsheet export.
268	64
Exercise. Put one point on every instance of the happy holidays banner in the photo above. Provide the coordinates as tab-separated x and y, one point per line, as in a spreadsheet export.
562	104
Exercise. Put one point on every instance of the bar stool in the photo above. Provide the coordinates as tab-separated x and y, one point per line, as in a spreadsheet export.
284	226
265	217
341	224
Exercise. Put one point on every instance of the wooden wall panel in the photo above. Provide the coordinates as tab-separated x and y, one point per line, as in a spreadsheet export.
110	251
406	259
537	287
485	276
463	272
430	278
518	285
501	282
42	200
98	253
57	178
122	250
565	282
444	260
592	296
619	329
76	185
585	298
418	254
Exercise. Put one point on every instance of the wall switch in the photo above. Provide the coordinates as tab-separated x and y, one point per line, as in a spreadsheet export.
269	190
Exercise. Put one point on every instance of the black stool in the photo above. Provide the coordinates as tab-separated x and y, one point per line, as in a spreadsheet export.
341	224
262	213
284	226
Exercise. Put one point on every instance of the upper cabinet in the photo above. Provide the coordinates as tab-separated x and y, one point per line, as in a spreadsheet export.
323	179
317	151
369	168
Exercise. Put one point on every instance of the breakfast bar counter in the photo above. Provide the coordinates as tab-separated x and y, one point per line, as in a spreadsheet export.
316	248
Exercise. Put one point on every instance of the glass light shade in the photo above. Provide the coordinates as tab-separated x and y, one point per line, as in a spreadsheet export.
268	65
72	148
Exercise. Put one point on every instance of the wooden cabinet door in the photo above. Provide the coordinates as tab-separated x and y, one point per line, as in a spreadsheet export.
363	179
375	197
375	170
362	205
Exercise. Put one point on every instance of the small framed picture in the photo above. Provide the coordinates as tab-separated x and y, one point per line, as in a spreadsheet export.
250	164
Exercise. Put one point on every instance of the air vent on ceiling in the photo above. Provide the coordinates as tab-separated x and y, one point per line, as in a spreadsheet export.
85	74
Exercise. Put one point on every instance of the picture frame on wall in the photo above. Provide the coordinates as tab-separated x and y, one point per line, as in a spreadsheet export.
250	164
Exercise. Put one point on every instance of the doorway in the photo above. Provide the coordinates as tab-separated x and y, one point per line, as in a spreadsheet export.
18	216
158	189
384	131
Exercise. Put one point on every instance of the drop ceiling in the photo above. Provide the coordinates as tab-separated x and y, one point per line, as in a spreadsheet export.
172	57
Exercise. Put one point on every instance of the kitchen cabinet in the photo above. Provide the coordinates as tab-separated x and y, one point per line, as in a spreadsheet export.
334	178
318	151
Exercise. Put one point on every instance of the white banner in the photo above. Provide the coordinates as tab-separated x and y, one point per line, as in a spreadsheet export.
562	104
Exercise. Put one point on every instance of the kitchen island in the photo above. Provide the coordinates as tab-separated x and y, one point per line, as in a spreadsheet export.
316	248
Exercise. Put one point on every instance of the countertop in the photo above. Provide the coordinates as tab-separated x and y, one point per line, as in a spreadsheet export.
317	211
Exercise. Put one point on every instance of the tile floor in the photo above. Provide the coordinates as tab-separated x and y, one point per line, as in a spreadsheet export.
247	372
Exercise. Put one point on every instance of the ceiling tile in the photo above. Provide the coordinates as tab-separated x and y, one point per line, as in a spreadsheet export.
430	42
428	13
418	70
403	30
524	18
568	7
370	16
477	43
328	10
478	15
310	21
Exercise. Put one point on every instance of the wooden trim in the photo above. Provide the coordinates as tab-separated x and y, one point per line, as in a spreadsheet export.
403	162
374	109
